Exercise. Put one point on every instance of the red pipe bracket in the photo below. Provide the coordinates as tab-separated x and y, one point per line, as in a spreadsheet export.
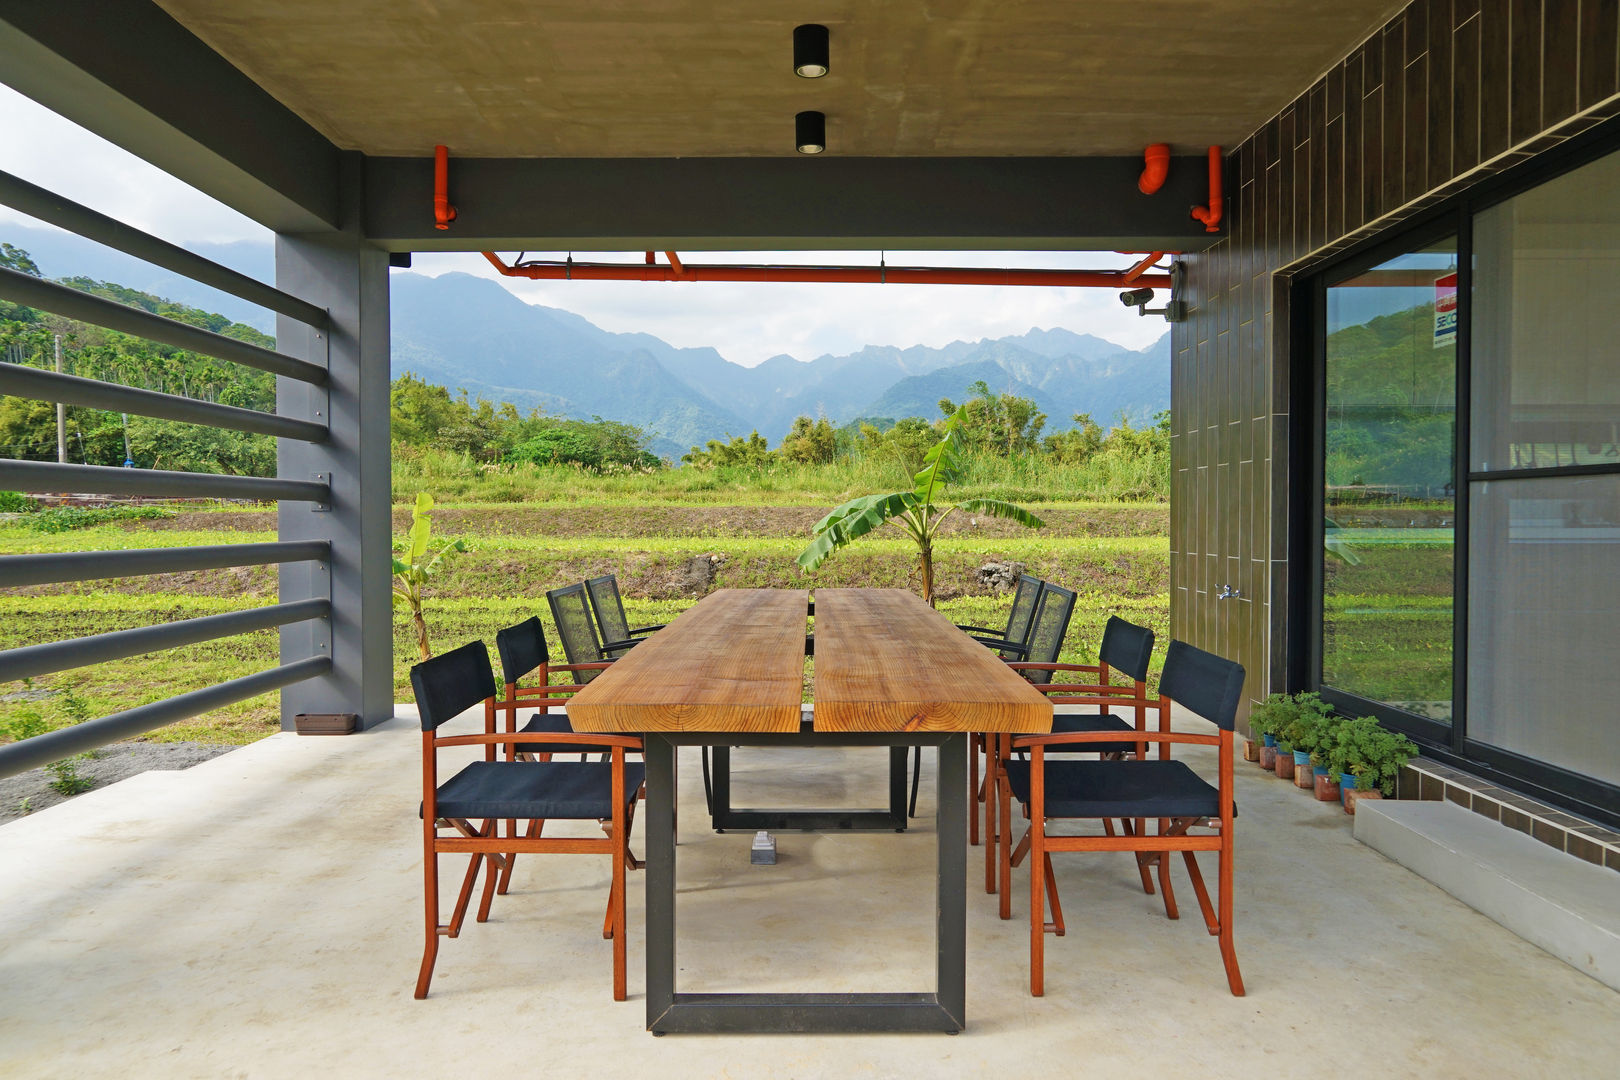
443	212
1211	215
1155	167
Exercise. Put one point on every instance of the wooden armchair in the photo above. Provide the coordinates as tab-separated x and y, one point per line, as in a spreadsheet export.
1138	788
491	791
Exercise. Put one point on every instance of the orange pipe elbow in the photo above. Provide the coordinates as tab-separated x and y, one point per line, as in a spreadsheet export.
1211	215
1155	167
1142	267
443	212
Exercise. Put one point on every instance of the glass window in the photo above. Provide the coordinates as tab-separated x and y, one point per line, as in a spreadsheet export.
1389	492
1545	384
1543	608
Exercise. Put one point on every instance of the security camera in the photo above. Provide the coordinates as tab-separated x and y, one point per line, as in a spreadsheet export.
1136	297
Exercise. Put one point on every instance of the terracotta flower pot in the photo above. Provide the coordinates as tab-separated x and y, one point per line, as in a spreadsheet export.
1355	795
1327	789
1268	758
1251	750
1285	765
1302	770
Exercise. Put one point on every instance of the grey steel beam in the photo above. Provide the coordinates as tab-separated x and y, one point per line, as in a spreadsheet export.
31	382
42	659
35	292
65	742
64	213
349	277
630	204
133	75
43	477
47	568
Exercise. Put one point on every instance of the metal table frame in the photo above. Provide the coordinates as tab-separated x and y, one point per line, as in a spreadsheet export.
942	1009
725	816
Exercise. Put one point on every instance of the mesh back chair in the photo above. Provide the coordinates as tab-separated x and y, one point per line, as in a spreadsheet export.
570	610
617	634
1141	788
1019	619
490	791
1036	659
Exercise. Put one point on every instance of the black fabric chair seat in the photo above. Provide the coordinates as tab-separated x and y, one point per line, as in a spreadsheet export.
577	790
1068	723
1119	789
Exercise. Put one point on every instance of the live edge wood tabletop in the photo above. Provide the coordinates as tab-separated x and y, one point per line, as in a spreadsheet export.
884	662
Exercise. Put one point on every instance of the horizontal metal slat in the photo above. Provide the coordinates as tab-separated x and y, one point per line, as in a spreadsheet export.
31	382
65	742
35	292
31	660
49	568
64	213
41	477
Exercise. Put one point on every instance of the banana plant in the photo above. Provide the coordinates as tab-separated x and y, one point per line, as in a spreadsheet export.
917	513
412	571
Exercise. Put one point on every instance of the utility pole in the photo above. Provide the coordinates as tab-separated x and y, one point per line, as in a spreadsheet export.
61	412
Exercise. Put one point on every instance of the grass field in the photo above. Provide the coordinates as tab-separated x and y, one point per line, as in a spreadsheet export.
1114	554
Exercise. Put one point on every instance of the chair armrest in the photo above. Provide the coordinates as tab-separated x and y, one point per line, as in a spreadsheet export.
583	738
985	630
647	629
1002	645
620	646
1025	741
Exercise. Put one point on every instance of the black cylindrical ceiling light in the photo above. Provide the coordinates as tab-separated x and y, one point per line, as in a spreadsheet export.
810	131
810	51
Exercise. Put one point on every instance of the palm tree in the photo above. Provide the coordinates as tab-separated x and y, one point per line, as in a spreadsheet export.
914	512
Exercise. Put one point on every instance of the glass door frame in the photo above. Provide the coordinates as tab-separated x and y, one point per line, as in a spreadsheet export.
1307	365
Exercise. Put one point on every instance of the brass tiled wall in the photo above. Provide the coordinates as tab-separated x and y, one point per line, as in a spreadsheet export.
1446	93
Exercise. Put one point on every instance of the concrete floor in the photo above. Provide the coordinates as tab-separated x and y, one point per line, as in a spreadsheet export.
260	916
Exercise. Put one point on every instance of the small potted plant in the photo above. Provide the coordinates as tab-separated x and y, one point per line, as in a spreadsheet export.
1265	720
1367	757
1304	733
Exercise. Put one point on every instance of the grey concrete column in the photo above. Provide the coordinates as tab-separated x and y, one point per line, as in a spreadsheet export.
338	271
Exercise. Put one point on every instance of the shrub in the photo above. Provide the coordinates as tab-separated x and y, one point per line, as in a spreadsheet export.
1370	752
65	518
15	502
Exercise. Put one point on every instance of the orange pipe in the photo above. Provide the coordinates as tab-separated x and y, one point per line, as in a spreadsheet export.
1211	215
1155	167
675	263
1141	268
443	212
859	275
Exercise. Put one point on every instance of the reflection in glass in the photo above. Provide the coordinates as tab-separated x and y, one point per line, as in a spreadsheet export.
1389	482
1545	385
1543	608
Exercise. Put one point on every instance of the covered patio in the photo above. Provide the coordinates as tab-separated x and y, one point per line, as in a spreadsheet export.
258	915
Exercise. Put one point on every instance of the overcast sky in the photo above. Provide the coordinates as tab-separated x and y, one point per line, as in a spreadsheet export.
747	323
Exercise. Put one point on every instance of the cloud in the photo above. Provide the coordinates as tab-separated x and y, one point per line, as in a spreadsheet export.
747	323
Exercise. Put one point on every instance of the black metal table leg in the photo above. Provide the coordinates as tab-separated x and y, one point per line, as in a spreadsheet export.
943	1009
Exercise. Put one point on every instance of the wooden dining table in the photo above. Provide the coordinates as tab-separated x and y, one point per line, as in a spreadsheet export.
889	671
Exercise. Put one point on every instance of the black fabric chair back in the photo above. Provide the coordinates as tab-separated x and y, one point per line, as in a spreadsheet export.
571	612
451	683
609	607
1126	647
522	648
1209	685
1022	615
1050	627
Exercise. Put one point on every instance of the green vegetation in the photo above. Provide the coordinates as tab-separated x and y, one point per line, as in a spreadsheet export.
1370	752
412	572
914	512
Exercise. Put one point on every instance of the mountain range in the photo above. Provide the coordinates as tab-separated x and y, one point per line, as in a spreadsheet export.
468	332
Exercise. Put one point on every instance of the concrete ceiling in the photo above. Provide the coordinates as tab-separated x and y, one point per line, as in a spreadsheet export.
713	78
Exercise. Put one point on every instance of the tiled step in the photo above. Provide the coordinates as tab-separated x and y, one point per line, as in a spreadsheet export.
1566	906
